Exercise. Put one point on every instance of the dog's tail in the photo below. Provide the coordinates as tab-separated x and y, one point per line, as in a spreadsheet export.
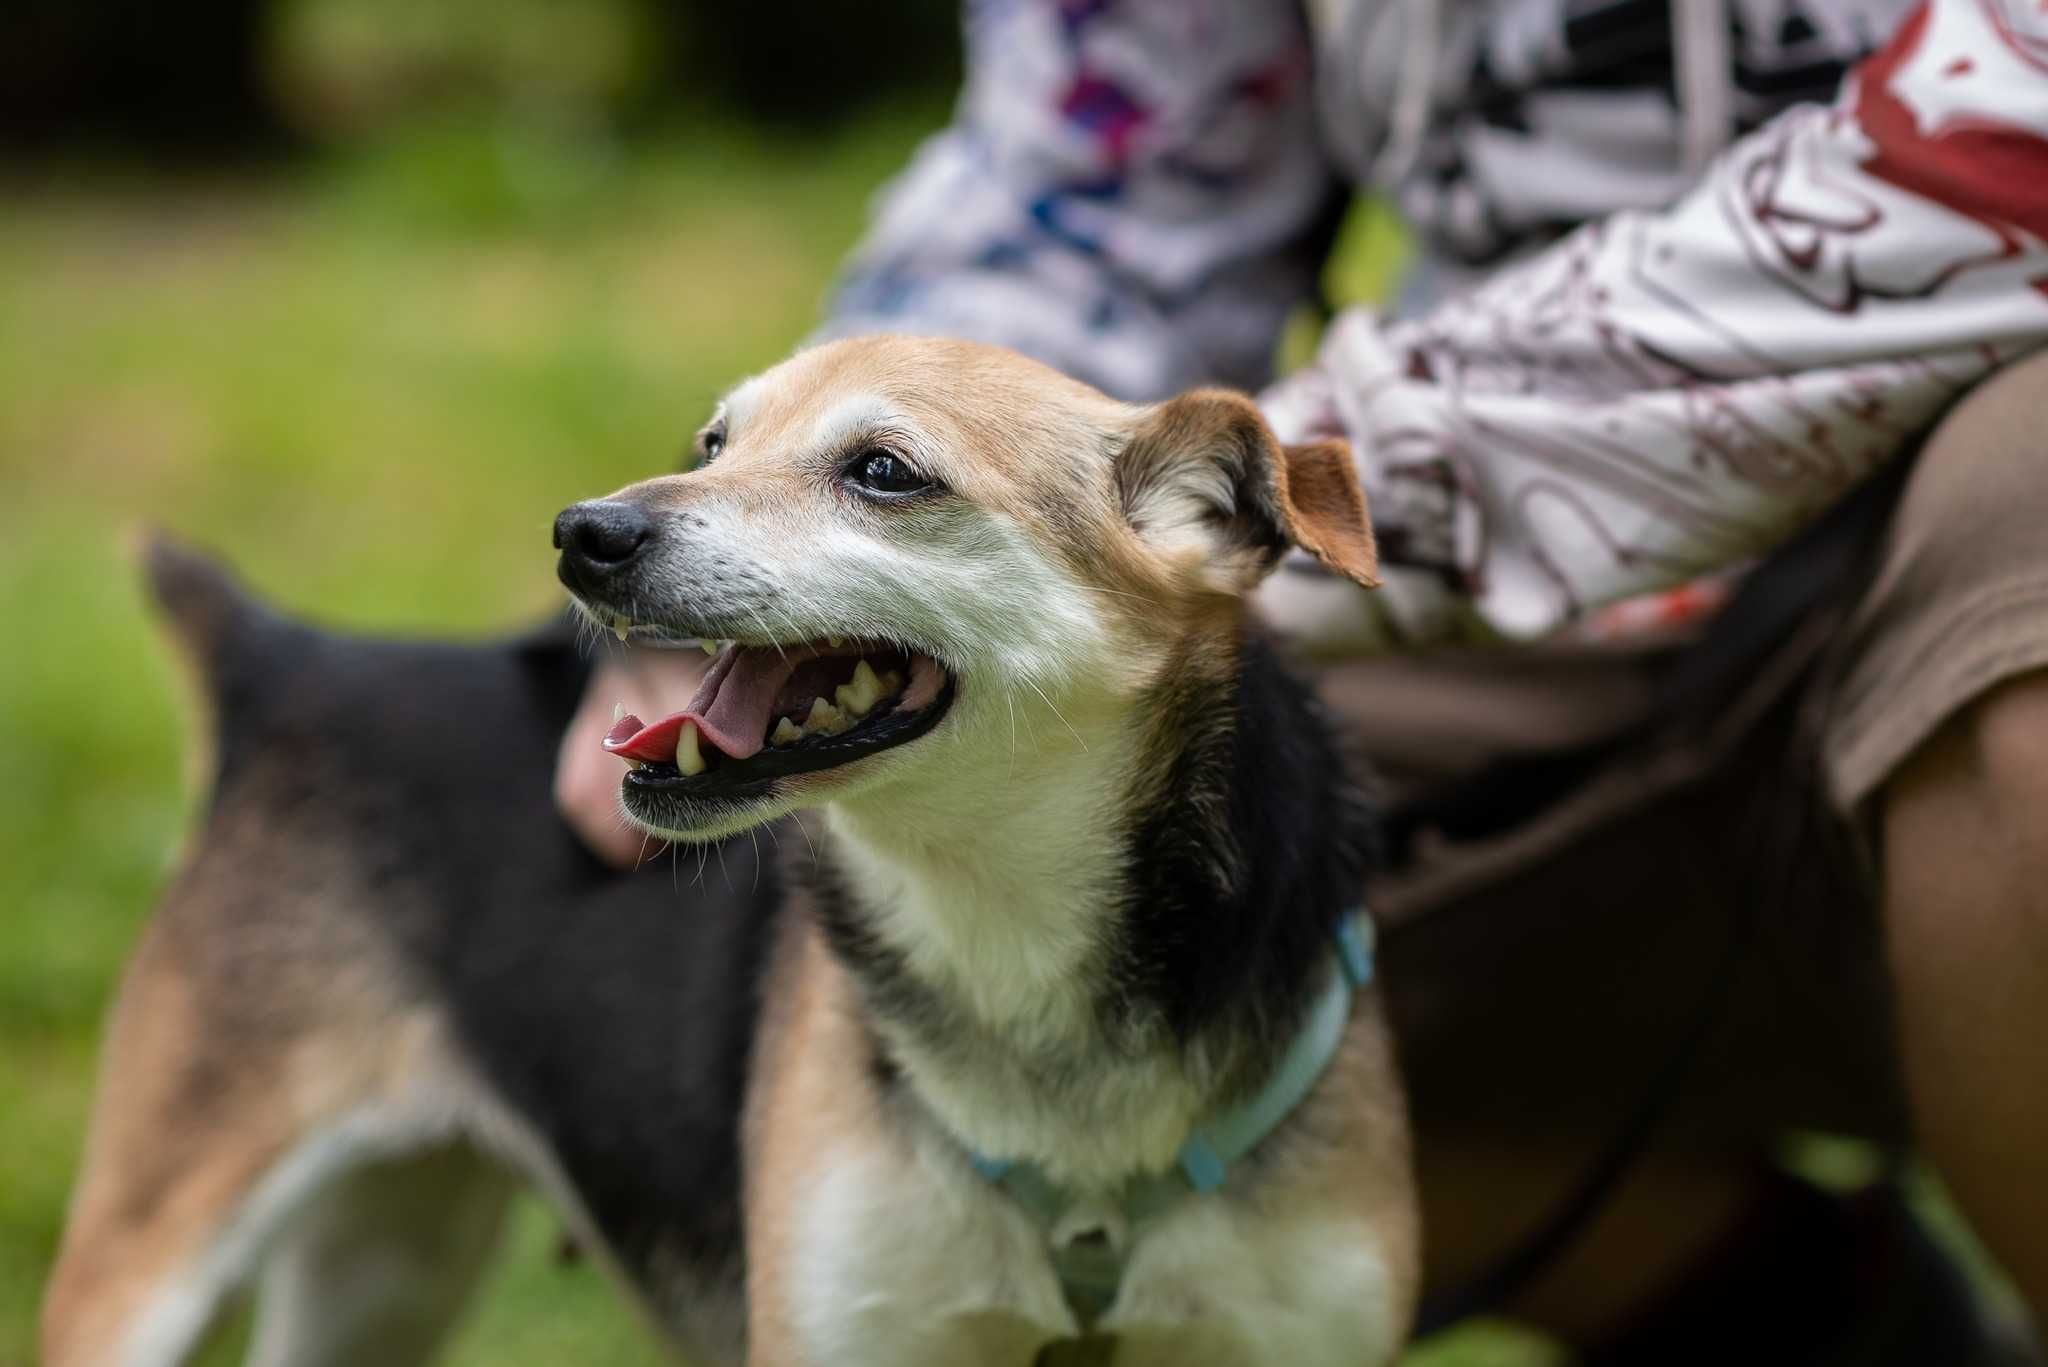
200	602
228	640
209	616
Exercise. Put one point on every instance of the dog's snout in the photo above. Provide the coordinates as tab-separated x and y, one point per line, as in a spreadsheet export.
603	536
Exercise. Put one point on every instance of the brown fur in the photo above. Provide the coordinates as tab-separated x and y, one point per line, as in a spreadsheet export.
241	1026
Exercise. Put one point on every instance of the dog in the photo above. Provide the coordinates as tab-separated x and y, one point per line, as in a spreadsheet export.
1086	887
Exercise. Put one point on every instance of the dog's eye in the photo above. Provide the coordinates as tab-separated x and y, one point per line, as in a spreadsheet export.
710	442
878	472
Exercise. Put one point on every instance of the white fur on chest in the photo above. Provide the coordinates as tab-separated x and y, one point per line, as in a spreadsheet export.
1011	933
1221	1281
910	1258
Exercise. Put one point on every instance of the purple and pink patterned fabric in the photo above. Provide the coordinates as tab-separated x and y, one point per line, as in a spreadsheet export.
1655	374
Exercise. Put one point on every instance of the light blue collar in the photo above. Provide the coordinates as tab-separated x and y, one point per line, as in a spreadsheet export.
1090	1270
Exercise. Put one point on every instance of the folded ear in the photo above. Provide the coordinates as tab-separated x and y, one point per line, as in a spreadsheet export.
1205	466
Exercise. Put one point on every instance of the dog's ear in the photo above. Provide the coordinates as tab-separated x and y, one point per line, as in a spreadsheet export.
1205	466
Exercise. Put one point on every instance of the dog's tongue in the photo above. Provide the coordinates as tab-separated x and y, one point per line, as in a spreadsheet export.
732	708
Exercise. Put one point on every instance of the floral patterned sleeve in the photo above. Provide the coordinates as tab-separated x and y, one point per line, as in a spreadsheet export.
1661	394
1133	192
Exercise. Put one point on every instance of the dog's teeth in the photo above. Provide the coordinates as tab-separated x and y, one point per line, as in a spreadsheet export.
835	641
707	645
861	693
633	763
618	713
786	732
621	624
689	759
892	683
824	717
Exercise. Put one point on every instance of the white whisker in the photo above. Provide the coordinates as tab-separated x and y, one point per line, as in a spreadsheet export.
798	819
1057	713
1125	593
766	634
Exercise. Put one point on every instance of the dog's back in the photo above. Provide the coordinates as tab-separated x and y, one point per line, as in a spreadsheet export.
384	967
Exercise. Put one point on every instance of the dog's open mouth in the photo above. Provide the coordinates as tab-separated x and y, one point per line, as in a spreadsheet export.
766	712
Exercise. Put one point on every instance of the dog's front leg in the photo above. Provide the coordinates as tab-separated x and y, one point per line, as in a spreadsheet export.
1310	1255
869	1237
898	1258
1223	1284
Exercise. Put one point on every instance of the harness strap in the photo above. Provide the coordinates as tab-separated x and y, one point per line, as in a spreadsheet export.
1091	1267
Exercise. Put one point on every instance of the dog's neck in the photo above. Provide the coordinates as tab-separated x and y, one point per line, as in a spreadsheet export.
1074	953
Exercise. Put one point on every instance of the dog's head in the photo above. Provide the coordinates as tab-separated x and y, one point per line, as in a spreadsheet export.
903	539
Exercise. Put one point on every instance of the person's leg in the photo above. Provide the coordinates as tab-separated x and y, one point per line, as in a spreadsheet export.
1965	861
1938	747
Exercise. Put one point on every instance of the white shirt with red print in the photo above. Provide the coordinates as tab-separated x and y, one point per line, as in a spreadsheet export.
1139	192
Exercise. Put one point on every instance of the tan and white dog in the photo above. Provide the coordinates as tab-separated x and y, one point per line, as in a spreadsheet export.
1086	850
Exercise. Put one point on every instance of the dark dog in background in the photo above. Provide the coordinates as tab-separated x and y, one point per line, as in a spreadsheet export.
387	984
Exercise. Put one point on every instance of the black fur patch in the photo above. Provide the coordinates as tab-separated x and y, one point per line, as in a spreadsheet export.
887	985
1238	867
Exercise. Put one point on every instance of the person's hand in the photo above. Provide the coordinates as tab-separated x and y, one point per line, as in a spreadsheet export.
650	684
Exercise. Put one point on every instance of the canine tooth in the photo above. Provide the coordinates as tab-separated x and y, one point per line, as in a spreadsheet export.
824	717
633	763
861	693
689	759
835	641
618	713
621	624
892	682
786	732
707	645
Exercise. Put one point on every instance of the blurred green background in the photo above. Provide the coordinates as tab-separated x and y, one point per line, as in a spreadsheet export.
360	293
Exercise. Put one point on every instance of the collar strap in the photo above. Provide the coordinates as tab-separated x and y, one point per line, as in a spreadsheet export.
1206	1157
1091	1271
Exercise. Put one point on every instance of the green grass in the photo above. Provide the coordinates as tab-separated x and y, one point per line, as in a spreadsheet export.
371	382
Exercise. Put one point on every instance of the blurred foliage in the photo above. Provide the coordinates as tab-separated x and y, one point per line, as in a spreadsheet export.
131	71
213	75
348	67
806	65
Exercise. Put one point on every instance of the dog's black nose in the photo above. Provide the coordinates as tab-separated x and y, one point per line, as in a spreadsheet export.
601	537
